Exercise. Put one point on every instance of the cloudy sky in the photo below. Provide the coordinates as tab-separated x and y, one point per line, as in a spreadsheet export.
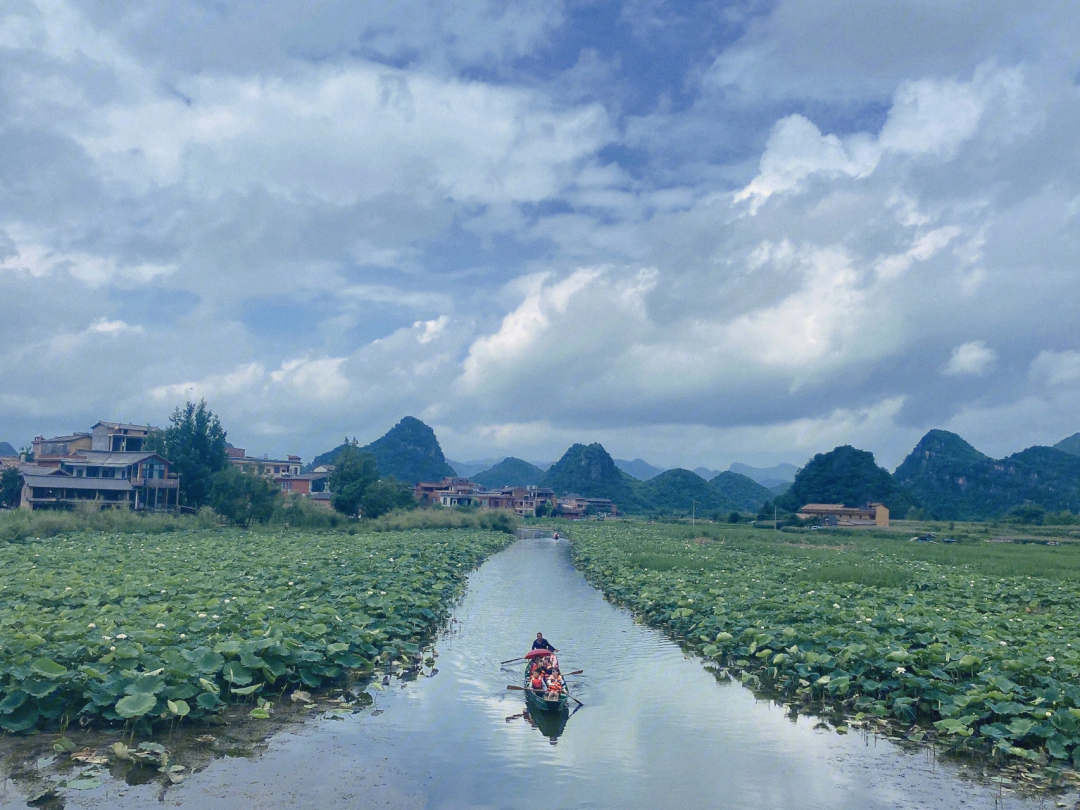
696	232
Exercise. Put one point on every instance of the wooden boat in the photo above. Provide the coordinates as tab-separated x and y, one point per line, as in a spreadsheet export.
538	701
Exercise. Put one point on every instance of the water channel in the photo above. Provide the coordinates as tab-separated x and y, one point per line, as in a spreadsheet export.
656	731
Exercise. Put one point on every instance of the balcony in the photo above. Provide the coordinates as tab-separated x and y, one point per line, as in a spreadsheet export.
155	483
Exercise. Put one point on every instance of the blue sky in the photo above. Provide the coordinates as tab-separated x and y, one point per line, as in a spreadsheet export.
696	232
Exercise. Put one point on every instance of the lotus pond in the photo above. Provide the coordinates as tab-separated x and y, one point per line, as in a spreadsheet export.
941	643
144	629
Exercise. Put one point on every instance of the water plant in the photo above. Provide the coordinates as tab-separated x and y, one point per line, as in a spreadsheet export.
982	662
144	628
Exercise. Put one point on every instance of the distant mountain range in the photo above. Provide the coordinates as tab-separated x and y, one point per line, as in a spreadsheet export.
7	450
954	481
639	469
943	475
767	476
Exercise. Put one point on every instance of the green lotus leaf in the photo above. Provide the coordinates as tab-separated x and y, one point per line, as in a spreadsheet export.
12	701
48	668
236	673
135	705
147	684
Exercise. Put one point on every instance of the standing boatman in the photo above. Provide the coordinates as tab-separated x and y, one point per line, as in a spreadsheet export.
542	643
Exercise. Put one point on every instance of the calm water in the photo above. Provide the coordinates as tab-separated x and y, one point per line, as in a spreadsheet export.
656	730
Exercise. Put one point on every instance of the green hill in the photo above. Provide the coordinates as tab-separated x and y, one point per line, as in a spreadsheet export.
510	472
742	491
7	450
675	490
848	476
409	451
954	481
591	472
1069	445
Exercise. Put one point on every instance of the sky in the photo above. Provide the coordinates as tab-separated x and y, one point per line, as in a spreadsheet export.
698	233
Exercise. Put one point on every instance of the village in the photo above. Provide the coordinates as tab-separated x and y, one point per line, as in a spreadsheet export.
112	465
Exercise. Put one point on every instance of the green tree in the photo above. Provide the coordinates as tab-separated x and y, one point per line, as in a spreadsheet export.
194	442
243	497
734	517
10	487
766	511
386	495
353	473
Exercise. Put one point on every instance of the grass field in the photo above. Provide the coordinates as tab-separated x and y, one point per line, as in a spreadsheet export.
972	643
139	628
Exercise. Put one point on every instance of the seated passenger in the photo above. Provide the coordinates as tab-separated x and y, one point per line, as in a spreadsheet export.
537	682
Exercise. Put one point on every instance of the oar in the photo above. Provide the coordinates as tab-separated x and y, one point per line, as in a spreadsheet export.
512	660
576	672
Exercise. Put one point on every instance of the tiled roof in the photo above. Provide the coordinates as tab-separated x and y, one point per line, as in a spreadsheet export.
69	482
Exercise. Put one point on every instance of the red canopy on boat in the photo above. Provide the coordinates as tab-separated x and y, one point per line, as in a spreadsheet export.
537	654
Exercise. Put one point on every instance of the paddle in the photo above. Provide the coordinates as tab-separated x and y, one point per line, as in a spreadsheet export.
512	660
576	672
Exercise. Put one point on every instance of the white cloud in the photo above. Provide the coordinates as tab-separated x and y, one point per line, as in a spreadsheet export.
33	256
974	358
378	130
1056	368
928	117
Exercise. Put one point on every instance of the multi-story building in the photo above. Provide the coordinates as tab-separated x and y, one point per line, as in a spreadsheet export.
130	479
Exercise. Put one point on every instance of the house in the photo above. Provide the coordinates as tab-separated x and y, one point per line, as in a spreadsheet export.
458	490
452	492
269	466
129	479
62	445
119	437
836	514
576	506
303	484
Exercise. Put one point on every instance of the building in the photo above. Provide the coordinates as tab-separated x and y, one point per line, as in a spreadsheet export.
434	492
119	437
836	514
62	445
575	507
129	479
303	484
268	466
452	492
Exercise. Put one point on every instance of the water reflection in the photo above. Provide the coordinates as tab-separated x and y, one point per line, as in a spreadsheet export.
656	730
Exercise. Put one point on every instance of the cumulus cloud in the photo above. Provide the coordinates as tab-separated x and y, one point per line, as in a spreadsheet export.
745	242
974	358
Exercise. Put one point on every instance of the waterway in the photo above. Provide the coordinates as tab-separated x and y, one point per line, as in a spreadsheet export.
656	729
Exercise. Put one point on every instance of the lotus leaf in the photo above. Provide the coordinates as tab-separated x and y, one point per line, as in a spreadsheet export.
135	705
48	668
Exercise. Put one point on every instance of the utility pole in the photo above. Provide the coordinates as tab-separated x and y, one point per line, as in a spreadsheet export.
773	516
693	512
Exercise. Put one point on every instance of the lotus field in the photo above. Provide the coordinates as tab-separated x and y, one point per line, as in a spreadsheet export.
974	645
137	629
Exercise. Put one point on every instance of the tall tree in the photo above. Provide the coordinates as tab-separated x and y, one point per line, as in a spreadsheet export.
385	495
10	487
354	472
243	497
195	443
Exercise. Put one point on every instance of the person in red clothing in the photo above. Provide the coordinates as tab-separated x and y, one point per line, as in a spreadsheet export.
537	681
